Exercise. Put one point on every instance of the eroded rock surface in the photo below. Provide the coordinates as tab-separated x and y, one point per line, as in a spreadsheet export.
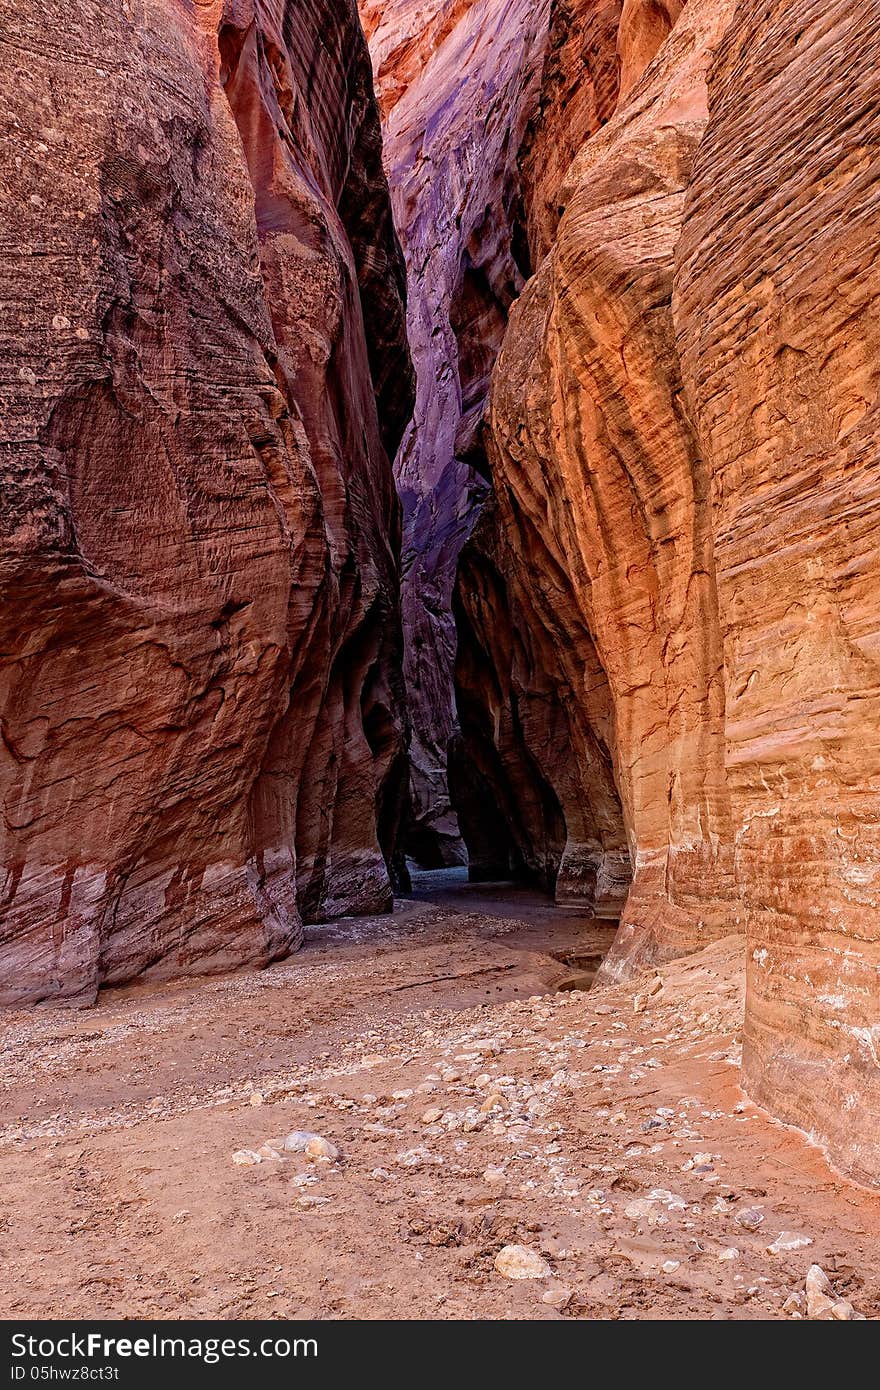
201	696
579	90
601	527
778	315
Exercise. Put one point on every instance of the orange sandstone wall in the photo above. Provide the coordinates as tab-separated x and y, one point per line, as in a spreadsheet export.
777	307
601	497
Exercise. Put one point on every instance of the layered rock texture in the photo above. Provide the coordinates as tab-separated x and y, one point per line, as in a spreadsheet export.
668	613
602	500
777	307
457	83
578	92
204	373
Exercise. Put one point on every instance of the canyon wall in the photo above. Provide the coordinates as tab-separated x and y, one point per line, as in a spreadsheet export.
668	612
777	306
457	83
204	373
531	564
578	92
598	474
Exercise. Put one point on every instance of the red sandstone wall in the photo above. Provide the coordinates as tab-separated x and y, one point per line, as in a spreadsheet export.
202	730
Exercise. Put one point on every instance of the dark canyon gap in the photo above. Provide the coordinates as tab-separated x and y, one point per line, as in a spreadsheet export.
457	82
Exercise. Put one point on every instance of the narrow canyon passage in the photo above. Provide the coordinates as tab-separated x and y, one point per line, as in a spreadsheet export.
440	658
473	1103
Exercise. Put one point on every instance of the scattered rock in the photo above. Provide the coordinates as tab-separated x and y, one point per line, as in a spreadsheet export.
673	1200
670	1266
823	1305
820	1294
519	1262
432	1115
246	1158
789	1240
750	1218
558	1296
298	1141
319	1147
417	1158
644	1210
642	999
308	1142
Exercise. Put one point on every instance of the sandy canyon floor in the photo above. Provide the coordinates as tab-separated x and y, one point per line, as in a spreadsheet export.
475	1104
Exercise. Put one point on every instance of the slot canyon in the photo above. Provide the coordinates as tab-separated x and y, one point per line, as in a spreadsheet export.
440	628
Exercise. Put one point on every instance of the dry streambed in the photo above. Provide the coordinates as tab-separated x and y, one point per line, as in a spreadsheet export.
412	1118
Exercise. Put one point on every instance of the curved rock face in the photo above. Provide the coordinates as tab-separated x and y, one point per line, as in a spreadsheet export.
608	553
203	735
644	25
531	773
778	310
457	81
